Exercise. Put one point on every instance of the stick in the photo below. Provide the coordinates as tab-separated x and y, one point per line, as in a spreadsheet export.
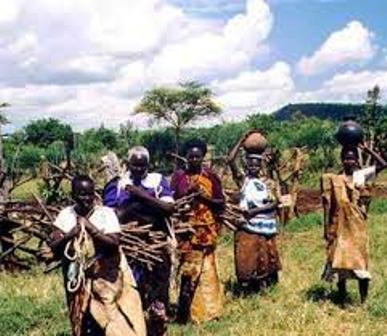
43	207
14	247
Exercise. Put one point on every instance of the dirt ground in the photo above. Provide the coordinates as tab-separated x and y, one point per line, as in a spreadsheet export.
309	199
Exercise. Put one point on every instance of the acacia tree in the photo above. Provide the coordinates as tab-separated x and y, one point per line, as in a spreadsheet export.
178	106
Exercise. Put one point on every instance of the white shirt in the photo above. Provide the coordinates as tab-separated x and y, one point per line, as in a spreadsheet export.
103	218
361	176
152	181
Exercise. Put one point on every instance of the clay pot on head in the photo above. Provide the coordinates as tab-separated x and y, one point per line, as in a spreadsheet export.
349	133
255	143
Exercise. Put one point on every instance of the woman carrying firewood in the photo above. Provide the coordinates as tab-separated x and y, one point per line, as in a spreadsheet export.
101	291
146	197
256	257
346	197
200	296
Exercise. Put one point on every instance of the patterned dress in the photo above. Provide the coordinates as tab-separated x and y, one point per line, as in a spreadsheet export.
256	255
201	295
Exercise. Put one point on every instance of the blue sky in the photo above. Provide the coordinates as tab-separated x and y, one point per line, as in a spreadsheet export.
89	62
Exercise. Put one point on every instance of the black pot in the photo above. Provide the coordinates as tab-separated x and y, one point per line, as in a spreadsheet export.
349	133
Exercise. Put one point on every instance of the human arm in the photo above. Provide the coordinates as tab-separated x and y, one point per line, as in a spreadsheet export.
237	175
268	207
381	164
160	206
109	240
214	199
110	193
58	239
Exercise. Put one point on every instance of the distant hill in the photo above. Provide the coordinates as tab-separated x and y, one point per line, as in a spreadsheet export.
332	111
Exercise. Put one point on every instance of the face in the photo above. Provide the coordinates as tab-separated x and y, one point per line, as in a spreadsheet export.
350	162
253	166
195	157
83	195
138	166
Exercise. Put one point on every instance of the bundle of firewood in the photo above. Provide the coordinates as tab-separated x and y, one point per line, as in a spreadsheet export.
232	216
30	224
23	227
141	243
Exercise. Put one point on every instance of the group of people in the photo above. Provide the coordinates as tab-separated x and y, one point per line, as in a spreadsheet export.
108	296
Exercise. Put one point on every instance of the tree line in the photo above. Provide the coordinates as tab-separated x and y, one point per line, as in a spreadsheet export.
52	140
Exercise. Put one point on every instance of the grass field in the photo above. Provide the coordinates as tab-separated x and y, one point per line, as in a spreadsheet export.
33	303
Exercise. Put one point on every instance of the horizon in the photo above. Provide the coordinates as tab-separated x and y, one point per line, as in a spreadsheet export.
88	62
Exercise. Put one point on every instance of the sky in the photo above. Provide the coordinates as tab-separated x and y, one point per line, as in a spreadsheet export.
89	62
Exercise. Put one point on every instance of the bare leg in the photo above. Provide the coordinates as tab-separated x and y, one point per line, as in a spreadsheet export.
273	279
341	286
363	289
185	300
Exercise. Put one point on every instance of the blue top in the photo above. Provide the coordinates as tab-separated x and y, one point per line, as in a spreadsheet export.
255	192
114	193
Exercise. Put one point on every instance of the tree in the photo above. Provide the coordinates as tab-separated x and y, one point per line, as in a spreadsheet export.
43	132
374	120
178	106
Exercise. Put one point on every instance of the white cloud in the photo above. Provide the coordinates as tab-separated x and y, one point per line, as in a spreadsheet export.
349	86
89	61
222	53
9	12
253	91
352	44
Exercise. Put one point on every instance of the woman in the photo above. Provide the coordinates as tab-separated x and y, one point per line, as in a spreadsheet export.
101	292
200	292
256	257
345	200
147	198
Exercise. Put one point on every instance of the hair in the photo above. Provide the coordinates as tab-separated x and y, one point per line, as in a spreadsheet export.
138	151
195	143
78	179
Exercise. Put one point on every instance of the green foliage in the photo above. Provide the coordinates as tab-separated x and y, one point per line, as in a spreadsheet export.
310	132
315	134
332	111
374	120
178	106
43	132
265	123
30	157
222	137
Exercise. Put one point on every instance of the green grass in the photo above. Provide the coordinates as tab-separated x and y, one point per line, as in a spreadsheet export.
26	190
33	303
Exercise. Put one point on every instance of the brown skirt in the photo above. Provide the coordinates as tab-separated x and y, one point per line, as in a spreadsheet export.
256	256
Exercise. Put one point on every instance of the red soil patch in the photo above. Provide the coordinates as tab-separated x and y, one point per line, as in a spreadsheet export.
309	199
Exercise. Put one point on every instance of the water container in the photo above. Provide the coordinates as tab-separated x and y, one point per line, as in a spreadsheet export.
349	133
255	143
